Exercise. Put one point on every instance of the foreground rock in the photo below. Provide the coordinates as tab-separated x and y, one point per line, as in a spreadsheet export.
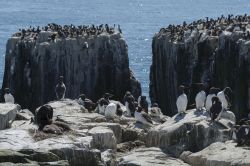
221	154
76	149
90	142
191	131
33	66
196	53
149	157
8	114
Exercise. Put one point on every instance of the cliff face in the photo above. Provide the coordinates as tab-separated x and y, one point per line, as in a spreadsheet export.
215	60
32	67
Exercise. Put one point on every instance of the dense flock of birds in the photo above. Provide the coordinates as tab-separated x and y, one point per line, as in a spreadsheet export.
67	31
210	26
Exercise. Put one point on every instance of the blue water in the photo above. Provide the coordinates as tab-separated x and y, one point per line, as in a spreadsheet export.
139	20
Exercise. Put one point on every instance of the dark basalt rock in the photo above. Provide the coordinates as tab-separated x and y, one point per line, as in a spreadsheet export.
217	56
33	66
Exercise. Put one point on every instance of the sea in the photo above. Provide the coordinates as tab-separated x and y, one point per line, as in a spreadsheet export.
139	20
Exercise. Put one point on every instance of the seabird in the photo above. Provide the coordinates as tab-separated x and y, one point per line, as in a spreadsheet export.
200	98
60	89
216	108
224	97
211	94
8	98
182	100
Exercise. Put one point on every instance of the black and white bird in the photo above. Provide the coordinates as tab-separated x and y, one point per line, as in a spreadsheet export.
103	103
129	103
225	98
182	100
200	98
142	101
8	98
60	89
212	93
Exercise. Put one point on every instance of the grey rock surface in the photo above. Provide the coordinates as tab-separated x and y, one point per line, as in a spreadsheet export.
191	131
8	114
148	157
219	154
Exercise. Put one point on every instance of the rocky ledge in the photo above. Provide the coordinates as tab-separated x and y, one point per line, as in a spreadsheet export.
96	140
191	131
212	51
93	60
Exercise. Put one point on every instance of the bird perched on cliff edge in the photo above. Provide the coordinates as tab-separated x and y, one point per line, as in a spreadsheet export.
8	98
211	94
182	100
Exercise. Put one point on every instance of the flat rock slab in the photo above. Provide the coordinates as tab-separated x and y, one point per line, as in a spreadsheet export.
76	149
8	113
219	154
71	112
15	139
149	157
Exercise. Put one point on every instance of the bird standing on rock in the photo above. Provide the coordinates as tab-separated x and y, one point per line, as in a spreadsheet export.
182	100
215	109
103	103
129	103
142	101
200	97
224	97
211	94
60	89
8	98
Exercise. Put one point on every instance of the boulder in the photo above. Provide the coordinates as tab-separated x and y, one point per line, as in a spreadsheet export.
148	157
219	154
8	114
190	131
103	137
77	150
32	67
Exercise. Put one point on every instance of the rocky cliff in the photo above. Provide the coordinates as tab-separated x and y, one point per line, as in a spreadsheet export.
214	52
93	61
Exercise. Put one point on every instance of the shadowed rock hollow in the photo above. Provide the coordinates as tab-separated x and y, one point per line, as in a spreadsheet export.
214	52
91	63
